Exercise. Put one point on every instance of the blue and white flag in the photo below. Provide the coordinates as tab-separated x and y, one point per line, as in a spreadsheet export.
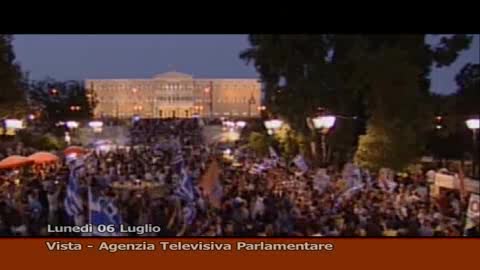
73	201
187	193
177	161
104	216
189	213
299	161
185	189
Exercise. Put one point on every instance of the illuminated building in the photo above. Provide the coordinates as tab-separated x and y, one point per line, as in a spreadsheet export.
175	94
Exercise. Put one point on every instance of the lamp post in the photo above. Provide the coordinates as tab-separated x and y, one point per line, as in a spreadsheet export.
323	124
72	124
251	101
261	111
75	108
96	126
474	125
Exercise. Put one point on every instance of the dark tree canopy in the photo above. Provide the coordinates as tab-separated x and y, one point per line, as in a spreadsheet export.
12	98
54	99
383	77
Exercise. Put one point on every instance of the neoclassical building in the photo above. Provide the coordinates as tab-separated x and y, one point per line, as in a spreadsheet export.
175	94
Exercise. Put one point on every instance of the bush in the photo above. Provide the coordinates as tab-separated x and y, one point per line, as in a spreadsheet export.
45	142
258	142
50	142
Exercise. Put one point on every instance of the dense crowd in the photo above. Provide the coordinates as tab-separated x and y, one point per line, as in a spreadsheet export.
278	201
139	177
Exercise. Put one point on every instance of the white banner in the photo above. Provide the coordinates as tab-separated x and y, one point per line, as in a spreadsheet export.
473	212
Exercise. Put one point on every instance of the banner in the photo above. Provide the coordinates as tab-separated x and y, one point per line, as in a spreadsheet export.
473	212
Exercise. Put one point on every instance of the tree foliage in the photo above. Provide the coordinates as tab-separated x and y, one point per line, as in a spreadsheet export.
368	76
258	142
55	100
288	141
468	94
12	82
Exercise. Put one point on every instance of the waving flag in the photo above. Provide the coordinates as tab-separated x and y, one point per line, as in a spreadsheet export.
185	189
189	213
186	192
177	161
299	161
73	201
103	212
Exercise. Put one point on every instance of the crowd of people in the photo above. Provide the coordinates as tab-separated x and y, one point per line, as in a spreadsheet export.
281	201
139	176
143	179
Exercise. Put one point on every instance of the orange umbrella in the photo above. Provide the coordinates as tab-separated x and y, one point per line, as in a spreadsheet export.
43	157
74	150
12	162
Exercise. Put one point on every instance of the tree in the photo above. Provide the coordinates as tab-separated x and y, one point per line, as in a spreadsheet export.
61	101
288	141
468	93
259	143
353	75
12	82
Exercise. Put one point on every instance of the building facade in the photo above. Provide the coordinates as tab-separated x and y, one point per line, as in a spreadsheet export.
177	95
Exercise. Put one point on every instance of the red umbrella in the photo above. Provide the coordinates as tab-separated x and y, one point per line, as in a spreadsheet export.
12	162
75	150
43	157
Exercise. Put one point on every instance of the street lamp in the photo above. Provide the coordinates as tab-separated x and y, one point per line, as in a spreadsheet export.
75	108
72	124
272	125
240	124
474	125
54	92
324	124
96	126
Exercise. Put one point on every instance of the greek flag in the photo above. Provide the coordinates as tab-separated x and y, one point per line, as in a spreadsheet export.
73	202
299	161
186	192
189	213
177	161
104	212
185	189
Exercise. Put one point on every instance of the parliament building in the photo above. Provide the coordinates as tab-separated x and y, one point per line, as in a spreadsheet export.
176	95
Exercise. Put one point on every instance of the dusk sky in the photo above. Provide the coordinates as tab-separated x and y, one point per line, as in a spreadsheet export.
78	57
